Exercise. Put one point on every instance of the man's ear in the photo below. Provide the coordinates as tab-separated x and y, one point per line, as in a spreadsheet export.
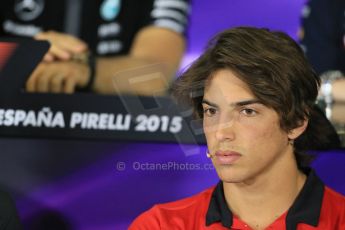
296	132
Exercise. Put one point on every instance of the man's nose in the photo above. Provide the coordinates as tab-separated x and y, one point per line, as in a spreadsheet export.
225	129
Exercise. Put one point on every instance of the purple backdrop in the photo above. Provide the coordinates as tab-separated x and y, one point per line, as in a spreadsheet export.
210	17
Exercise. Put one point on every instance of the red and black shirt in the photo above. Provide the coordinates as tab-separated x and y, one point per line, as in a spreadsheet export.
317	207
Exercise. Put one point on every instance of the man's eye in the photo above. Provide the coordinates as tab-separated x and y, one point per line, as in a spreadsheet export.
210	112
248	112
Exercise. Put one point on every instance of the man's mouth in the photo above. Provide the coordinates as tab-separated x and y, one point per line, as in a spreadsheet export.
227	157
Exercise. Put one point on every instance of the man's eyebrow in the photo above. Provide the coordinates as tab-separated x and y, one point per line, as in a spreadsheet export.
204	101
234	104
246	102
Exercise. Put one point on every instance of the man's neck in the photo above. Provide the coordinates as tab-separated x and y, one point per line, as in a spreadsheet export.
261	200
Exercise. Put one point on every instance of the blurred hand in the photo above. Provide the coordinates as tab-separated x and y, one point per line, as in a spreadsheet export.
63	46
338	111
58	77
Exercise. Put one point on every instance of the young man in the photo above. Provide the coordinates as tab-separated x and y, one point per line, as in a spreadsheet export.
255	93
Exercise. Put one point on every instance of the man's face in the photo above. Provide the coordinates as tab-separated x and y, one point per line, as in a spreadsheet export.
243	135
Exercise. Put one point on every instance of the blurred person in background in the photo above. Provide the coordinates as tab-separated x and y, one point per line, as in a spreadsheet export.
9	219
255	93
322	37
91	41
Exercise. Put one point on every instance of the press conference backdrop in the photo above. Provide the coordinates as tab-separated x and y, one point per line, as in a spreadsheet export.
70	175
